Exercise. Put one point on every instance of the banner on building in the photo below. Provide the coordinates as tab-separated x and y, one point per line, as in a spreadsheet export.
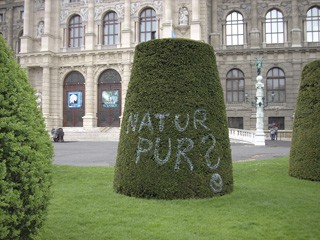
110	99
74	99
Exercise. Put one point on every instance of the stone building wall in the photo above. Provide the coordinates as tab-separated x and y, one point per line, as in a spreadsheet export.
45	54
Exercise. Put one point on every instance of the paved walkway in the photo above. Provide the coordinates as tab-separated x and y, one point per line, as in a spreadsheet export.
104	153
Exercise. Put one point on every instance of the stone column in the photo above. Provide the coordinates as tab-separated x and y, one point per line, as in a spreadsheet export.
47	38
167	24
46	93
126	28
26	40
89	120
10	26
90	36
296	31
214	35
255	32
195	28
56	118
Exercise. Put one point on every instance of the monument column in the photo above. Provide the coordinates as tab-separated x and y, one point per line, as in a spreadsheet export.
259	139
26	41
296	31
167	24
126	30
254	33
195	28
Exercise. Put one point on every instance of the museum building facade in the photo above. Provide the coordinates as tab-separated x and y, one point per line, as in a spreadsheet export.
78	54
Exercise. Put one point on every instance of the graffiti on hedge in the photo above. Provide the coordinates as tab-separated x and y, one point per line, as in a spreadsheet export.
197	120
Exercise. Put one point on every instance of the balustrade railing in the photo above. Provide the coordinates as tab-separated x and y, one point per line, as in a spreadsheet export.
248	136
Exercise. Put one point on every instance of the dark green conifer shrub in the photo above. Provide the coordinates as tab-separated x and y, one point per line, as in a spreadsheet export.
25	153
304	159
174	140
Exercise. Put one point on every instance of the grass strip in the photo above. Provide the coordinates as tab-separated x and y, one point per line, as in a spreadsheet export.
266	204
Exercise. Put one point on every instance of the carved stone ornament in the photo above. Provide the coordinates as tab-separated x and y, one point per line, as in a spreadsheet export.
135	7
233	1
84	14
287	8
120	10
40	29
63	14
158	6
39	5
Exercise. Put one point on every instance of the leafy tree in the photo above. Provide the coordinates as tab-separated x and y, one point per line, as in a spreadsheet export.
304	159
25	153
174	140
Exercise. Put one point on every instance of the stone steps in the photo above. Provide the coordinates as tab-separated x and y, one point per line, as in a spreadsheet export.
94	134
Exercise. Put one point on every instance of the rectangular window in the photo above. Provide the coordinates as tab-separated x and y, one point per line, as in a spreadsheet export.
235	122
21	15
1	17
278	121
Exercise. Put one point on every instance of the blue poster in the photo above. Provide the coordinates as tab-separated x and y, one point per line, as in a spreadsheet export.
74	99
110	99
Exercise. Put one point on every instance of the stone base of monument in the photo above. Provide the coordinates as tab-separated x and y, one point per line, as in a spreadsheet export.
259	139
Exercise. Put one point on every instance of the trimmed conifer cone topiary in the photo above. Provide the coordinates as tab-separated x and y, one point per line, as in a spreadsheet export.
174	140
304	159
26	153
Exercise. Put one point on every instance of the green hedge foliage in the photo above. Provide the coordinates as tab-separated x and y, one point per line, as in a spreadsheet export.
304	159
25	153
174	140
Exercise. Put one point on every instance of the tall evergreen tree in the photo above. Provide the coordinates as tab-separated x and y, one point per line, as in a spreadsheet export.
304	159
26	153
174	140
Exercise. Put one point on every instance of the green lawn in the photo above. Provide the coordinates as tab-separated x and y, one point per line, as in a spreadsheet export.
266	204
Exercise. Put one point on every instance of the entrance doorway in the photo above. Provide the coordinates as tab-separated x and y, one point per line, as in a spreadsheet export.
109	99
73	100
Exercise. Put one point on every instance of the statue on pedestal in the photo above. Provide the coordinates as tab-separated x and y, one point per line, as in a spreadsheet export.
259	65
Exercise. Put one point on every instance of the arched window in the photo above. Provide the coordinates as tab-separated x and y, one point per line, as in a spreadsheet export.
110	76
235	86
276	85
109	98
110	29
73	99
274	27
148	25
75	32
313	24
74	78
234	29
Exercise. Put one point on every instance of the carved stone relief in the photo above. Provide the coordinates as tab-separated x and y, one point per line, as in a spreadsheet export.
233	1
134	8
120	10
246	8
84	14
303	6
287	8
40	29
39	5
